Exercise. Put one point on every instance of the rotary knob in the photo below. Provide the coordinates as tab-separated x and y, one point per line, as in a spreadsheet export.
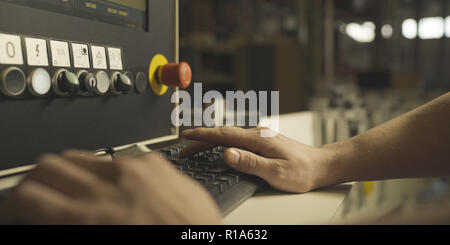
175	75
121	83
88	82
65	82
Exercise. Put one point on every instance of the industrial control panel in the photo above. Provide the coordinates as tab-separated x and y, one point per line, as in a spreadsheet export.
85	74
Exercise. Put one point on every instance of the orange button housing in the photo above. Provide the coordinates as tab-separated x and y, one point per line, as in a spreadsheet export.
176	75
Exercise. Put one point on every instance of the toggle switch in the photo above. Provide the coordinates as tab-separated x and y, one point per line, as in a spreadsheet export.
88	82
12	82
65	82
120	83
39	82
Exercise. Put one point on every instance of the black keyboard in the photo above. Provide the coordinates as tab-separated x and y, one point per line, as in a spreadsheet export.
229	188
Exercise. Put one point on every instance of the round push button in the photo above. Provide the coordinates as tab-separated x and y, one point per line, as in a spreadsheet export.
176	75
12	82
39	82
102	86
141	83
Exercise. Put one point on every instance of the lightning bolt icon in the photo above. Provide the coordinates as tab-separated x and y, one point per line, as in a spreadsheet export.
37	50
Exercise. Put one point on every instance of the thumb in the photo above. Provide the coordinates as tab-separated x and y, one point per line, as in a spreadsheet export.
247	162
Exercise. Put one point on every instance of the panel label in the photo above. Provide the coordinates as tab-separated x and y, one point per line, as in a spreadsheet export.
60	53
99	57
80	55
115	58
11	50
37	54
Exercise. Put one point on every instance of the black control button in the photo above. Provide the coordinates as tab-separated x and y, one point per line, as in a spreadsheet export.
12	82
68	82
65	82
130	75
39	82
88	82
121	83
102	86
141	83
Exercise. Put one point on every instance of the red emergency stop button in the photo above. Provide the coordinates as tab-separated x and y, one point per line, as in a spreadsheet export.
176	75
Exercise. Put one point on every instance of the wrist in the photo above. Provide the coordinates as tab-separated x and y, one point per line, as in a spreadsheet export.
336	163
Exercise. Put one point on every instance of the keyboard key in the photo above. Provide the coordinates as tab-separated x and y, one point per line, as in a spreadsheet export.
196	169
223	186
202	180
234	177
228	180
182	162
208	176
219	149
219	169
190	173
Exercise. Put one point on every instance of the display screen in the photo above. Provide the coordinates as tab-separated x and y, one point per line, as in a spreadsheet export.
130	13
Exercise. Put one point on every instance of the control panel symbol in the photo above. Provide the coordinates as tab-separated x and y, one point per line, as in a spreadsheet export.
10	49
36	51
80	55
115	59
60	53
99	57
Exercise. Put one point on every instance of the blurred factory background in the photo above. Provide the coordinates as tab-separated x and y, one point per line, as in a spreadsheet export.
350	65
319	49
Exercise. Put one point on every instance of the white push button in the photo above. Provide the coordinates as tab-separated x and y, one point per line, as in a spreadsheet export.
36	52
39	82
102	86
10	50
60	53
115	59
98	57
80	55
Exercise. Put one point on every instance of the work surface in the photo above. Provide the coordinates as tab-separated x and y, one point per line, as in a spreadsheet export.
270	207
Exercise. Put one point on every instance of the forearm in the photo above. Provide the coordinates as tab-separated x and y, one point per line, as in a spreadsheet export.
416	144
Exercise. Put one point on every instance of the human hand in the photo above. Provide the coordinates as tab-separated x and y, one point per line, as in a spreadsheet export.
76	189
285	164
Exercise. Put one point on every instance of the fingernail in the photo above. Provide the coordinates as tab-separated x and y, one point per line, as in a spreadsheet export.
234	156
